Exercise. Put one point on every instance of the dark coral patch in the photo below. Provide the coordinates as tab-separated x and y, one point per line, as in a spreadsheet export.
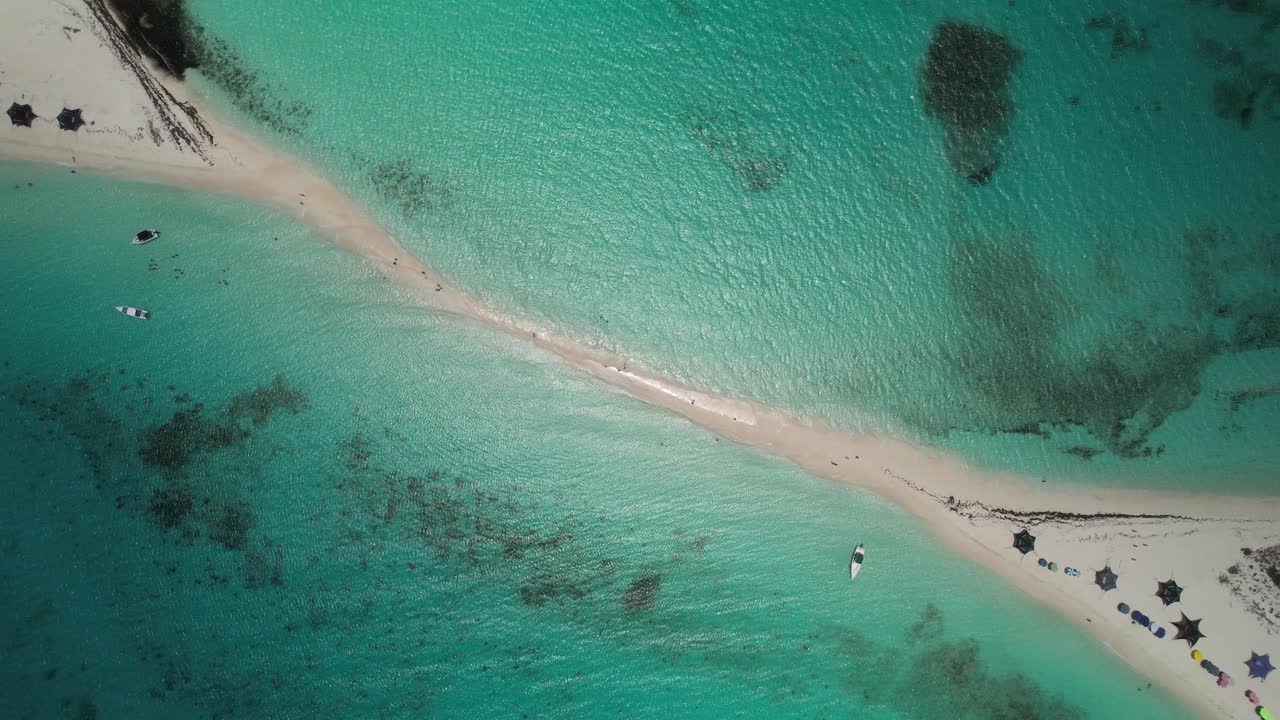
170	507
231	526
173	444
964	82
412	189
642	594
740	146
1126	38
1129	380
260	403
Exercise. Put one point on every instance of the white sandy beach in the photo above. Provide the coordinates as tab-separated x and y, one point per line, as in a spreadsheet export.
58	54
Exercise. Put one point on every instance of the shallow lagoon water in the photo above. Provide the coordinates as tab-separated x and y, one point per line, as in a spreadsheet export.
377	511
752	197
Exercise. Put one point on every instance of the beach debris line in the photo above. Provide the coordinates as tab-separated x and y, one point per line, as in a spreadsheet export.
1168	592
1259	665
21	114
1024	541
70	119
179	119
1188	630
1105	579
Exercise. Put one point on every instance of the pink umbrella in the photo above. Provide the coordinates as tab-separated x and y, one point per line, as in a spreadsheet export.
1224	680
1253	696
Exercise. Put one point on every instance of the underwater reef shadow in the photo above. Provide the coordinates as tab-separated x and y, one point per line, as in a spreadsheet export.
558	564
743	147
964	87
1125	383
149	472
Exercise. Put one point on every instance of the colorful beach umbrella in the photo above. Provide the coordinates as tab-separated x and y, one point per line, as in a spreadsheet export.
70	119
1105	579
1024	542
1259	665
1123	607
1188	630
1169	592
21	114
1265	714
1224	680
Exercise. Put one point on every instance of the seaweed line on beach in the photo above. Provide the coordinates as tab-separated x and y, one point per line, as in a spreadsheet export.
972	510
180	119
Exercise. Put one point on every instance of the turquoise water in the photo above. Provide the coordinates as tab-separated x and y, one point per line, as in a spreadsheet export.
751	197
293	494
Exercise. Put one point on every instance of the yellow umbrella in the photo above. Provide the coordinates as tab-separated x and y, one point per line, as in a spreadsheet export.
1197	655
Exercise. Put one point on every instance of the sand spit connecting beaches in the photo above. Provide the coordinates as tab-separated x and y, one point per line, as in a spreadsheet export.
151	129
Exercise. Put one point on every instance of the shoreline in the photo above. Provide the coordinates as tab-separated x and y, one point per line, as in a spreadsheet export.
1197	535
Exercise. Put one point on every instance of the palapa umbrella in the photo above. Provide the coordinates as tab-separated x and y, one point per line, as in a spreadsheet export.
70	119
1259	665
1105	579
1168	592
21	114
1024	541
1188	630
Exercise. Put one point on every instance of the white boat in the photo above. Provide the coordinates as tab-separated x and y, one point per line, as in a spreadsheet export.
145	236
134	312
855	562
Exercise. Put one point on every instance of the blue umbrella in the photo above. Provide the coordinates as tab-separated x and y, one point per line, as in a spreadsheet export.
1259	665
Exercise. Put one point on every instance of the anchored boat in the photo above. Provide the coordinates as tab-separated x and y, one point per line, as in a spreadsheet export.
134	312
145	236
855	563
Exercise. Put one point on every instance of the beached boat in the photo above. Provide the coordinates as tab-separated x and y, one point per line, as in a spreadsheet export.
855	562
145	236
134	312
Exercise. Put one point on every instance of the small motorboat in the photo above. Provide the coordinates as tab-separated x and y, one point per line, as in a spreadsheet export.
134	312
145	236
855	562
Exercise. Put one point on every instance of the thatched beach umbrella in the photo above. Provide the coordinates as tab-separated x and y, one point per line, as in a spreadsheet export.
70	119
1188	630
1168	592
1259	665
1024	541
1105	579
21	114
